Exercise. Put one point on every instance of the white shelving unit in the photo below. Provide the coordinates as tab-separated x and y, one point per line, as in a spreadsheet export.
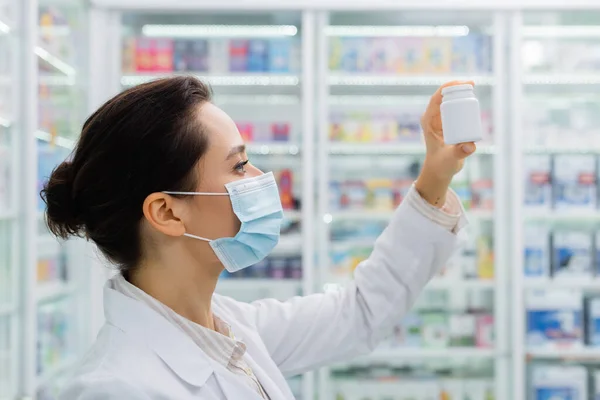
33	295
10	168
245	96
342	90
532	36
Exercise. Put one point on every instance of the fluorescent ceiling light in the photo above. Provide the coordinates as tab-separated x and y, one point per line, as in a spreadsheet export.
561	31
4	28
55	62
58	140
384	31
176	31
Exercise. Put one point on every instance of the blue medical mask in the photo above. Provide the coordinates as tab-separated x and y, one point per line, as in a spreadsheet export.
256	203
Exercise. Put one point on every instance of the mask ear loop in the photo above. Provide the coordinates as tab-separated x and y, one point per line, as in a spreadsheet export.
195	194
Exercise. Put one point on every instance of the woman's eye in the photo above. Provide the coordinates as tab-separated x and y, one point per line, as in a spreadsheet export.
241	167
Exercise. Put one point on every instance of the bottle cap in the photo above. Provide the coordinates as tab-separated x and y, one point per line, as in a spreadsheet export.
456	88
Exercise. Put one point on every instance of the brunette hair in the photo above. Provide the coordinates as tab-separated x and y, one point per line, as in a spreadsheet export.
146	139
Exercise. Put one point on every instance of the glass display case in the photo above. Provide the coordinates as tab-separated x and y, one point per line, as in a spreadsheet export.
377	73
557	143
9	293
60	291
254	63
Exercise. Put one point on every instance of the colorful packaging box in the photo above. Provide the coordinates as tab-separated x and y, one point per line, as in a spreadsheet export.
575	182
592	311
537	181
143	54
238	55
438	55
551	382
198	61
554	319
536	251
163	55
485	331
258	55
572	253
280	52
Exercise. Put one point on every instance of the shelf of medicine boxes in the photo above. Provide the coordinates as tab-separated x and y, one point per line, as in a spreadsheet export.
373	215
562	79
583	283
231	79
386	148
579	354
353	79
562	216
394	354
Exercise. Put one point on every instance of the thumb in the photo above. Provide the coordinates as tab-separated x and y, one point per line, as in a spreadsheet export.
464	150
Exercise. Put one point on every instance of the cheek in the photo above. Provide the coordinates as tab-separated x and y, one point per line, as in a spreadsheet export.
214	218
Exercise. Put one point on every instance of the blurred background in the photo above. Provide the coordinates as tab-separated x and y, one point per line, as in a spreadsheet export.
328	95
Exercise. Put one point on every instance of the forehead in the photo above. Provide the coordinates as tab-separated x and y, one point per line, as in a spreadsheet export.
222	131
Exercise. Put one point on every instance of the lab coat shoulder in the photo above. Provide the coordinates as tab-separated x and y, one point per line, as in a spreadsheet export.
120	367
307	332
99	375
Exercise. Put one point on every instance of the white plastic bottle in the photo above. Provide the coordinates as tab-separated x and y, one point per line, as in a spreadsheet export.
461	116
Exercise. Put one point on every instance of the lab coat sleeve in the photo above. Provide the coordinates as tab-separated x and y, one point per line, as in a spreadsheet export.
101	388
307	332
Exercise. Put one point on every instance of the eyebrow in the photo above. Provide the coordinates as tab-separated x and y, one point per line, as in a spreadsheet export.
236	150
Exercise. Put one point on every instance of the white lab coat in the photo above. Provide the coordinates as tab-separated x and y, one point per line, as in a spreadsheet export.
138	355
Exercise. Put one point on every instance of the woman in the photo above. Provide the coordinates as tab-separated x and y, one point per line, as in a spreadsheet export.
160	181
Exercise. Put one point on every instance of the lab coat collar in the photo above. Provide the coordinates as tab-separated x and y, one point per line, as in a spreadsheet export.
142	323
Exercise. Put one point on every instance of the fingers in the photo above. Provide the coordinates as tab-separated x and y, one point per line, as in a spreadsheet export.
463	150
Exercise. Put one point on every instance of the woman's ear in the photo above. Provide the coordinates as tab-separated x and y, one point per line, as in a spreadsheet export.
164	213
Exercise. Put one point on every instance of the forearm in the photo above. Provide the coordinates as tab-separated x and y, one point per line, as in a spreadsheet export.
431	186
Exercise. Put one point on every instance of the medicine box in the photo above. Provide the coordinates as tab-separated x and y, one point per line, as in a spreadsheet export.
572	253
575	182
554	319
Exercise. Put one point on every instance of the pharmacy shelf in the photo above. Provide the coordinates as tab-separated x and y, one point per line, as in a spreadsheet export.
384	148
272	149
340	79
50	376
222	80
561	79
233	285
47	292
562	283
553	215
575	354
460	284
552	150
289	244
395	354
369	215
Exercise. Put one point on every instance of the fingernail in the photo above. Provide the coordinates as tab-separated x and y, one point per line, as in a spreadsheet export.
467	148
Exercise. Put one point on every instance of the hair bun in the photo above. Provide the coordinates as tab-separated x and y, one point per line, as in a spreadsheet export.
62	216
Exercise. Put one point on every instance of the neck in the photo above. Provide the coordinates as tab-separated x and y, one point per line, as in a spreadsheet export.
186	289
